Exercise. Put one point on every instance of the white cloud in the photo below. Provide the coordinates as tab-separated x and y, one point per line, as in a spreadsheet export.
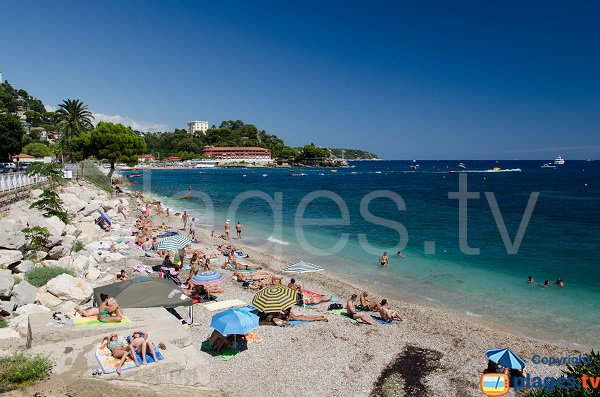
50	108
127	121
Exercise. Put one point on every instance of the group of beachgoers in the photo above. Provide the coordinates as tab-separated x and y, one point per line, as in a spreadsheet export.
559	282
360	311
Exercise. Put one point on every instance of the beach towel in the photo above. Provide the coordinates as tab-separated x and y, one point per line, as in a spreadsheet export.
225	355
382	321
215	306
343	313
90	322
108	363
294	323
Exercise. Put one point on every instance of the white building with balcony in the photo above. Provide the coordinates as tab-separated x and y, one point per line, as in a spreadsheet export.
197	126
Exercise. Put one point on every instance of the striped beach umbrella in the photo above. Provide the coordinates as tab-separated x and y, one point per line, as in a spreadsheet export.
207	279
302	267
173	243
103	215
506	358
274	298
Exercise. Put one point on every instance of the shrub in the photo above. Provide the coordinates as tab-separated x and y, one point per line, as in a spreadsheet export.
37	237
592	369
91	173
3	323
50	204
39	276
78	246
19	370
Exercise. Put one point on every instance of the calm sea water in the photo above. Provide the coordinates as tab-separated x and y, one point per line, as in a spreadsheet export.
561	239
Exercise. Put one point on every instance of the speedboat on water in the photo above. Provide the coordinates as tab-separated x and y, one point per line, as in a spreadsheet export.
548	165
414	166
496	169
559	160
136	175
462	166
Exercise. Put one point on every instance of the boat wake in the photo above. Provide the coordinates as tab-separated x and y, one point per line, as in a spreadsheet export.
276	241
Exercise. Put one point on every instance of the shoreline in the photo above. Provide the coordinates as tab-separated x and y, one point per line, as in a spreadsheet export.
276	250
427	325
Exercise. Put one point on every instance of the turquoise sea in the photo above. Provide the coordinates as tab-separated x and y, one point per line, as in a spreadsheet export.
561	239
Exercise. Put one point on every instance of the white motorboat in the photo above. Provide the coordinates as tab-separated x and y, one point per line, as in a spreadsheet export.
559	160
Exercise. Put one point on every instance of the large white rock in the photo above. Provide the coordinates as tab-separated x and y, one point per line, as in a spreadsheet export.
110	204
8	336
50	263
89	231
46	299
67	287
71	230
8	257
24	293
107	257
80	263
56	252
21	322
6	282
40	255
72	203
11	236
23	267
93	273
66	262
54	225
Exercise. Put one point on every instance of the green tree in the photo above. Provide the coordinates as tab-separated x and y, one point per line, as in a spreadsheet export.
37	149
11	136
49	202
73	118
312	151
116	143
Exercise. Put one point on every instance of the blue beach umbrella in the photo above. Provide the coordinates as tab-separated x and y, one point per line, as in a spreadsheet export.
234	321
105	217
506	358
208	278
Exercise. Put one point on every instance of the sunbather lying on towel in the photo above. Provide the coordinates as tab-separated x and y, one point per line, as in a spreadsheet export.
141	344
239	266
218	342
360	316
388	314
287	315
108	311
307	297
367	304
119	350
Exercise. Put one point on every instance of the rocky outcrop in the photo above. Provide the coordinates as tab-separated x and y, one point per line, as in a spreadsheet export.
8	257
6	283
21	322
11	236
24	293
67	287
54	225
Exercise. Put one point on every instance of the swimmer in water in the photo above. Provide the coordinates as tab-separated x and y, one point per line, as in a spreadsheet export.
560	283
530	280
400	254
383	259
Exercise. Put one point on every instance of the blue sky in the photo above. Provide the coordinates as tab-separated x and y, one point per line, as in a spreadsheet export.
424	80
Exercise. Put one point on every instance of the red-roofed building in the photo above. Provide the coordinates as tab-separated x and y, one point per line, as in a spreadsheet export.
173	158
237	153
146	157
23	157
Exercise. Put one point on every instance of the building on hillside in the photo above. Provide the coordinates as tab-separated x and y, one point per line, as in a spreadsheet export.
173	158
146	157
237	154
197	126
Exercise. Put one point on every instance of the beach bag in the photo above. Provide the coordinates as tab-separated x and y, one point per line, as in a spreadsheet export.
335	306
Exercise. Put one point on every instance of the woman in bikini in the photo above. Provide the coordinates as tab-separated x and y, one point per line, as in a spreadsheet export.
119	350
141	344
388	314
108	311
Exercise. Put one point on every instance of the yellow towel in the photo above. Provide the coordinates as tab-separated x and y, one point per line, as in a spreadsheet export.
93	322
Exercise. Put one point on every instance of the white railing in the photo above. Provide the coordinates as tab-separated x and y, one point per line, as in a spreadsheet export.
17	180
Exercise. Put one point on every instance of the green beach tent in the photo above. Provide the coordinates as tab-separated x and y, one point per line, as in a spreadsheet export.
144	292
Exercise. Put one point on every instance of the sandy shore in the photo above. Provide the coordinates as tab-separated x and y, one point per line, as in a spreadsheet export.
338	358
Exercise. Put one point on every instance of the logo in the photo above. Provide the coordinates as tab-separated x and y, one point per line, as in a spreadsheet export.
494	384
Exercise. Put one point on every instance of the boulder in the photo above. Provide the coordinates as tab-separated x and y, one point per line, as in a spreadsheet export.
11	237
52	241
72	203
6	282
49	263
93	273
108	257
8	257
67	307
21	322
40	255
67	243
24	293
8	336
56	252
54	225
110	204
89	231
80	263
22	267
65	261
91	207
71	230
67	287
45	298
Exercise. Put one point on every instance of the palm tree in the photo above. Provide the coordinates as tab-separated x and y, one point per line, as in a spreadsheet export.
73	118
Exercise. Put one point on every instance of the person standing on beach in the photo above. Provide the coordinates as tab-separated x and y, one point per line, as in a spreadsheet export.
184	218
238	228
227	227
192	230
383	259
190	189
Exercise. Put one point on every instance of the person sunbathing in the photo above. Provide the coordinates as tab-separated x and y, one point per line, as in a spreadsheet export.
200	292
119	350
141	344
285	316
122	276
352	313
108	311
388	314
367	304
205	263
104	225
139	239
308	299
218	342
295	286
